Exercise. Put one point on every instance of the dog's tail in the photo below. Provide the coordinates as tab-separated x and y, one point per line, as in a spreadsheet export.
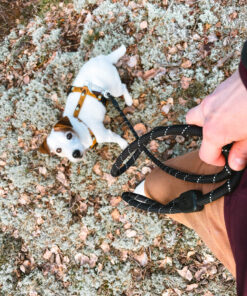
117	54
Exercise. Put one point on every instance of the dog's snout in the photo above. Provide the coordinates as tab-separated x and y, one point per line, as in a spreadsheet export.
76	154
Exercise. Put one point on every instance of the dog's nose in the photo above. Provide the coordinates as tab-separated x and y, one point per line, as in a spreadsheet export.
76	154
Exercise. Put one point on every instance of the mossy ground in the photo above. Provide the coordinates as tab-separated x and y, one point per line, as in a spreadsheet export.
64	229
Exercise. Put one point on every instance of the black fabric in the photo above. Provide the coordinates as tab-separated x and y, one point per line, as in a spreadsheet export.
235	209
244	55
243	65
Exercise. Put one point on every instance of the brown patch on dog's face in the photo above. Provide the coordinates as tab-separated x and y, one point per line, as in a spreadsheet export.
63	124
44	148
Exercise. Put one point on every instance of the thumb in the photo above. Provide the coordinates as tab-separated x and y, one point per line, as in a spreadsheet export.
238	155
195	116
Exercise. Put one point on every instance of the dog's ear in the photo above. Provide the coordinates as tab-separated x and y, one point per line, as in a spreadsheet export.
44	148
63	124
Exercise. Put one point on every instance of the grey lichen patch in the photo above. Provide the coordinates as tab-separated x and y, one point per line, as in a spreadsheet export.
9	250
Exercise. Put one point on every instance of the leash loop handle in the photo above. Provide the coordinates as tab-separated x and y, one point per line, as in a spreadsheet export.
136	147
187	202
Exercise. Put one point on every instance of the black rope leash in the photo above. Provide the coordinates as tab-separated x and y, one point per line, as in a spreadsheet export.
189	201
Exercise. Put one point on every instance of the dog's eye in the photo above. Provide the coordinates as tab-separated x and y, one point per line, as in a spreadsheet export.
69	136
59	150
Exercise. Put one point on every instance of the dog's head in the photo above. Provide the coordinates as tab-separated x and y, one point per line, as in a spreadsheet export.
63	141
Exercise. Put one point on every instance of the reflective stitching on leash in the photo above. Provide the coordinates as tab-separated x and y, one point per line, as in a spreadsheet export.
185	129
227	169
229	185
199	178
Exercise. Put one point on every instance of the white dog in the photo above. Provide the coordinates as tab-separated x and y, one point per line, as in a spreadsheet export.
82	122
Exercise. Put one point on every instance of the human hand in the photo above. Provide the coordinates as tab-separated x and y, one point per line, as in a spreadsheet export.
223	116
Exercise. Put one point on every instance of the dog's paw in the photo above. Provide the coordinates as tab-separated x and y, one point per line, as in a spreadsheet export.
128	99
122	143
140	189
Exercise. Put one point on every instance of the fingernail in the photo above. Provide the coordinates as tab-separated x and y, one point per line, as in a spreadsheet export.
238	164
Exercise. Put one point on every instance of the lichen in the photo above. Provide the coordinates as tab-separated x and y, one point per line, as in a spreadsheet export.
28	109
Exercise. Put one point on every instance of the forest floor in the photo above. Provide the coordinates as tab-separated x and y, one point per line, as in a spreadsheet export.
63	227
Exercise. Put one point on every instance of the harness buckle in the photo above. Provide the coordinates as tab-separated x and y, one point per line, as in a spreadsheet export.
187	201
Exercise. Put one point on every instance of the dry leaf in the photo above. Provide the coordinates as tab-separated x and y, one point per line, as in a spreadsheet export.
166	108
186	64
199	273
24	199
130	233
132	61
110	180
129	109
40	189
153	146
182	101
40	221
47	255
105	247
83	233
146	170
93	260
62	179
185	82
123	255
140	129
164	262
96	169
42	171
115	201
173	50
191	287
81	259
26	79
142	259
185	273
143	25
115	215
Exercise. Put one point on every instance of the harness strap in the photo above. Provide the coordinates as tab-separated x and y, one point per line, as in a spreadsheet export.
84	92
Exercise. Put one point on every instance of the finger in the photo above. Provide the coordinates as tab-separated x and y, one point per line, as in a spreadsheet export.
211	154
238	156
195	116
